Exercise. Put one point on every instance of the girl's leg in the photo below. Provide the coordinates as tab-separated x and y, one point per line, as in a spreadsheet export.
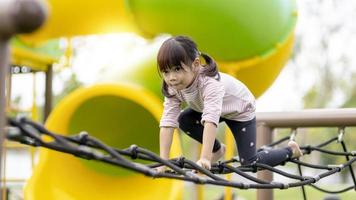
245	137
189	123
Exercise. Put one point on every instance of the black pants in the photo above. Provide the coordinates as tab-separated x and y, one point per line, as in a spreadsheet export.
245	138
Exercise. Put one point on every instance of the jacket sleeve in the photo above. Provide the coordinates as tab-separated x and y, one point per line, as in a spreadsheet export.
213	94
171	112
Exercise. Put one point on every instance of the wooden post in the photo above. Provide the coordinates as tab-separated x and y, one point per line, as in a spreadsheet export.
264	136
4	69
48	93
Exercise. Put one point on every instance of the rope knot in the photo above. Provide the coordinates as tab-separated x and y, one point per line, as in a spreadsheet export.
308	149
83	137
133	151
181	161
220	166
254	166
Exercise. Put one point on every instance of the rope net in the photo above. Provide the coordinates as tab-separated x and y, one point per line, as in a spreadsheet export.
85	146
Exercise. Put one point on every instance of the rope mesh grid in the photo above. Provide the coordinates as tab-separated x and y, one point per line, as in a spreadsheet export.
85	146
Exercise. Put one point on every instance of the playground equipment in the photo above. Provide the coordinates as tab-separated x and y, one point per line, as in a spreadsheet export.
30	59
15	17
120	116
249	39
38	57
181	167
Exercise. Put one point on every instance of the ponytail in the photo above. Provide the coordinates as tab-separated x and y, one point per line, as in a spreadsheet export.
165	91
211	68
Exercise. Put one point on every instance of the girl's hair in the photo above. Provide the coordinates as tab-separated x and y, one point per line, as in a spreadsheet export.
181	49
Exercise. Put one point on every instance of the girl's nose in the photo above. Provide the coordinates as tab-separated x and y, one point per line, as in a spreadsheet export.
172	77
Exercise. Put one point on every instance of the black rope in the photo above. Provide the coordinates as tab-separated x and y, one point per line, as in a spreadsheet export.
335	153
303	188
345	153
278	141
327	142
85	146
350	167
272	169
311	165
332	192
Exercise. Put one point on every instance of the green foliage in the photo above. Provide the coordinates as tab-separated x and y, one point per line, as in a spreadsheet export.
334	79
350	102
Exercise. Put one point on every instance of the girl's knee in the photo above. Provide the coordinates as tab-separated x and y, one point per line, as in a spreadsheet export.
249	160
183	122
187	122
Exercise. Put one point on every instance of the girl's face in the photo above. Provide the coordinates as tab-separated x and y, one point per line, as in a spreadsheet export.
180	77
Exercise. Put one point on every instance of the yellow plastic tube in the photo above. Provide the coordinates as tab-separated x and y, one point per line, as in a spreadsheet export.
118	115
260	72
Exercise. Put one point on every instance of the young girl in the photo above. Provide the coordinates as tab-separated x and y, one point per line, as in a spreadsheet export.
212	97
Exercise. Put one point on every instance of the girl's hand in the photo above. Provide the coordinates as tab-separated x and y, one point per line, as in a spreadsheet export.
161	169
204	163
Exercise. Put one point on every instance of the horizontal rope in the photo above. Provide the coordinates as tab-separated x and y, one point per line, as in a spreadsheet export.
87	147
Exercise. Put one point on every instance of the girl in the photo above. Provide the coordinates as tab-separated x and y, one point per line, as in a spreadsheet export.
212	97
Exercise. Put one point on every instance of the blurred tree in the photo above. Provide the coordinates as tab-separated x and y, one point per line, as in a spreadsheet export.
71	84
323	56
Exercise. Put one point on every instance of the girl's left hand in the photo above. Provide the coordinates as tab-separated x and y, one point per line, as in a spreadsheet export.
161	169
204	163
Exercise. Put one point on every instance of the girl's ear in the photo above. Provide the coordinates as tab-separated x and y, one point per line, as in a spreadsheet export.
196	62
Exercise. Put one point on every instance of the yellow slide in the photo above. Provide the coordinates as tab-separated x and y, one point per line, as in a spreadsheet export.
254	47
119	116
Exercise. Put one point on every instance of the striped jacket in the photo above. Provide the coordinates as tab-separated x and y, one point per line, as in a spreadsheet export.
228	98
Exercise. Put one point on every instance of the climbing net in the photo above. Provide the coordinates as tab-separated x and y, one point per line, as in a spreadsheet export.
85	146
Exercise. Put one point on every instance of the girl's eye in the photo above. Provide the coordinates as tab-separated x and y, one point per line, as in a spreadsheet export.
177	69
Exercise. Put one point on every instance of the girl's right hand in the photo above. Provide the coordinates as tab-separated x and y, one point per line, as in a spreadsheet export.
204	163
161	169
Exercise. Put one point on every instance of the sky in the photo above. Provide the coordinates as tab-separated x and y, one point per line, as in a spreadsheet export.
109	54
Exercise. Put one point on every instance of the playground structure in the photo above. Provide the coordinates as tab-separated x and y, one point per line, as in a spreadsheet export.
76	113
267	122
254	56
85	146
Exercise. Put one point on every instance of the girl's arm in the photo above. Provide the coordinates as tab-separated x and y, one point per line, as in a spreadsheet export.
213	94
209	135
168	123
165	141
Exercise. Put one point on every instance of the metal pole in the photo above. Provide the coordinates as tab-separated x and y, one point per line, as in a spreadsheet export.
4	56
309	118
8	89
16	16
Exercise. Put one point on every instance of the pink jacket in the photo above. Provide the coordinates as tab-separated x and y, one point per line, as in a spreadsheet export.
228	98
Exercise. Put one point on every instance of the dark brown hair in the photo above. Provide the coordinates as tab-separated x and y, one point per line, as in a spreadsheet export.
181	49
